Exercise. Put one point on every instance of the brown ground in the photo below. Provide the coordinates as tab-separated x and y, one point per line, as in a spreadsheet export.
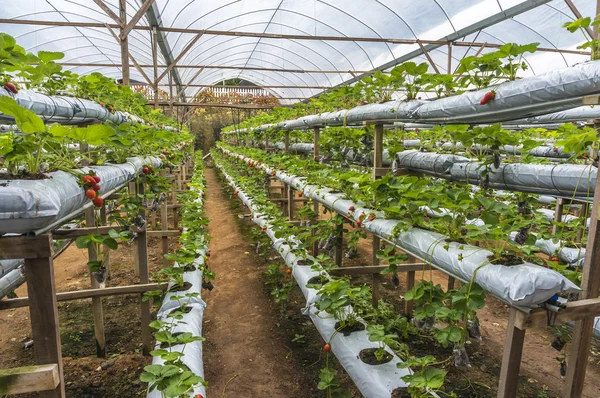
248	352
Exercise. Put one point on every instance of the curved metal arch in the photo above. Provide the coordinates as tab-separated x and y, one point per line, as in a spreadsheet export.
399	17
294	41
293	12
195	59
362	23
446	14
538	34
268	62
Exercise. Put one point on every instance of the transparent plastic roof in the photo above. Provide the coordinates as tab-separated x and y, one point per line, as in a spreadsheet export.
482	20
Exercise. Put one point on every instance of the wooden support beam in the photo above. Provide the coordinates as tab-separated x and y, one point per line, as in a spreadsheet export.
43	311
142	257
338	248
577	14
590	286
124	43
90	221
377	149
286	141
315	246
410	283
367	270
511	359
426	53
317	133
164	224
574	311
558	214
108	11
86	294
182	91
290	202
133	60
181	55
376	277
136	18
155	64
29	379
161	234
15	247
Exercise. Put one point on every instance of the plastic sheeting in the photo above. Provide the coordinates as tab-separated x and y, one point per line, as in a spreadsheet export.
192	323
525	285
557	179
373	381
12	280
28	205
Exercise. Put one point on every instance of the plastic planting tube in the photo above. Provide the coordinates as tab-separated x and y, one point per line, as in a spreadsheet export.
373	381
525	285
28	205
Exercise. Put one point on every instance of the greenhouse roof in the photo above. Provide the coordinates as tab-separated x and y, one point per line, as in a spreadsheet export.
300	46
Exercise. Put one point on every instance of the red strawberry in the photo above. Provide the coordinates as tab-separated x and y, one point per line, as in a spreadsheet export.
96	187
371	217
555	149
102	104
98	202
288	271
235	192
180	229
351	208
145	170
327	347
300	194
150	168
208	254
585	155
96	178
554	258
362	216
358	223
91	194
9	86
88	180
489	96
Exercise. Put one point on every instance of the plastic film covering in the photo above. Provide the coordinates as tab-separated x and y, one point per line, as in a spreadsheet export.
525	285
569	115
192	279
28	205
558	179
13	279
192	323
572	256
373	381
8	265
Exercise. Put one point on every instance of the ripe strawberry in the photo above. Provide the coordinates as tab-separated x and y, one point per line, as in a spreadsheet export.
351	208
236	192
554	258
88	180
288	271
96	187
489	96
145	170
151	168
180	229
98	202
327	347
96	178
358	223
91	194
264	228
362	216
300	194
208	254
273	173
585	155
371	217
102	104
555	149
9	86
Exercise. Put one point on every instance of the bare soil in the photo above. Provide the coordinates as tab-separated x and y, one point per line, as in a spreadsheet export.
249	350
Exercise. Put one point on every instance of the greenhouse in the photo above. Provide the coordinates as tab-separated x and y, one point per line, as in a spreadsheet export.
317	198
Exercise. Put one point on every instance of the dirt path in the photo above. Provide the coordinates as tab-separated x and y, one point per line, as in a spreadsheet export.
243	354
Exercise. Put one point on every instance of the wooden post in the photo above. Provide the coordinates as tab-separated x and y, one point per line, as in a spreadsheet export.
103	222
376	276
286	141
142	249
511	359
124	43
315	248
410	283
339	244
583	213
377	149
558	213
451	282
164	226
590	284
290	202
43	312
266	142
90	221
155	64
317	131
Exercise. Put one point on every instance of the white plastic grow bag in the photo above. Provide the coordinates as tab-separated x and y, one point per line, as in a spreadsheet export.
12	280
525	285
373	381
545	179
194	278
192	323
28	205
